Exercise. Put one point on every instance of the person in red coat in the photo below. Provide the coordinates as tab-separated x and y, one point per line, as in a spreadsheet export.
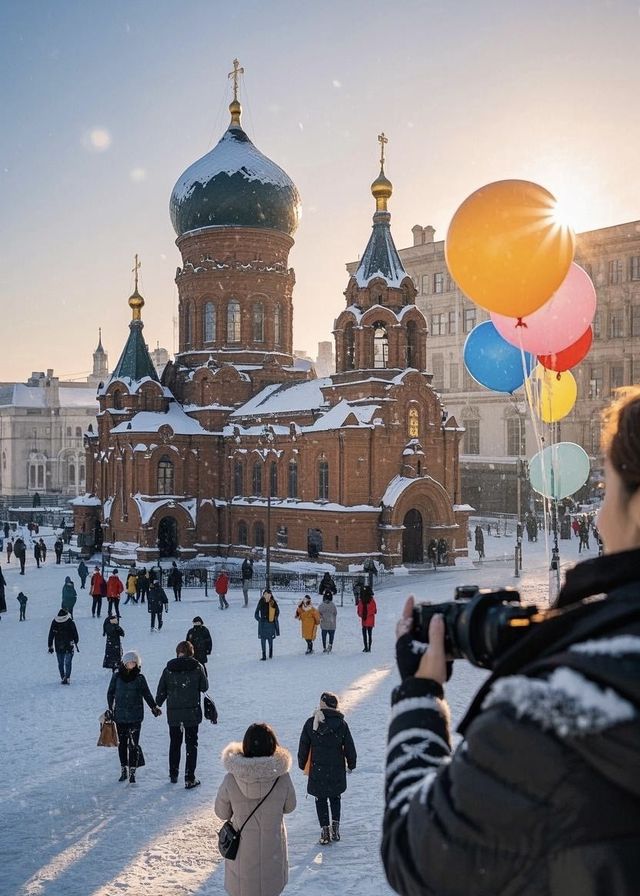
97	590
367	609
221	585
114	591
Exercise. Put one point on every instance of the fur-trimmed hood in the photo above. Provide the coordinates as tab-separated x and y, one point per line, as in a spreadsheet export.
255	775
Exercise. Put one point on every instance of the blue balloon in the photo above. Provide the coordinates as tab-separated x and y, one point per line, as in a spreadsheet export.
493	362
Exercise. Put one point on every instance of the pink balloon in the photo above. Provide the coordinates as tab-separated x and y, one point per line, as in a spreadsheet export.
559	322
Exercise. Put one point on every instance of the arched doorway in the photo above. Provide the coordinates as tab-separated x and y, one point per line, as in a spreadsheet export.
168	537
412	550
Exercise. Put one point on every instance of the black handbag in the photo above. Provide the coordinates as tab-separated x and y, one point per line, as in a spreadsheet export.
229	838
210	711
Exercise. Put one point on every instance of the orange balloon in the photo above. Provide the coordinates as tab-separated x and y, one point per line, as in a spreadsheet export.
505	248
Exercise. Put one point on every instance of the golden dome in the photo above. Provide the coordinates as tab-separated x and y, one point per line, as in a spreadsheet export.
381	190
136	303
236	111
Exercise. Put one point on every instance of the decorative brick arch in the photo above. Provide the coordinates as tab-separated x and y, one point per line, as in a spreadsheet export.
432	502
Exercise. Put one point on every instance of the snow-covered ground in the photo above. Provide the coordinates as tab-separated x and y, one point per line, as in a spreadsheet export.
69	828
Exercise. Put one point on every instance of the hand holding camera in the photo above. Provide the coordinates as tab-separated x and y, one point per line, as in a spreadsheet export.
416	657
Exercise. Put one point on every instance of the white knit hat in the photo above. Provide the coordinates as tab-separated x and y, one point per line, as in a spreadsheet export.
132	656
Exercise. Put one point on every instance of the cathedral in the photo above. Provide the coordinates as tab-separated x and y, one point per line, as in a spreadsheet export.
239	445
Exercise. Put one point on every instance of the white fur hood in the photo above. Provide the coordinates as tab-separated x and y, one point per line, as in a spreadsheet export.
254	776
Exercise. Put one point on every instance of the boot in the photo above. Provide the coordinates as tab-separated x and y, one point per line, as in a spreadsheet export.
132	776
335	830
325	835
124	773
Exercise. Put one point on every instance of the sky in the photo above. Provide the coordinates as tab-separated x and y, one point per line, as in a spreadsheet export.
103	106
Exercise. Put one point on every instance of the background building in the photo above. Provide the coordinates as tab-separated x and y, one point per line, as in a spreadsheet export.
498	432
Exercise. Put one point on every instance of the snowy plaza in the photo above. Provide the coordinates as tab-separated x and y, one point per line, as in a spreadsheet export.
70	829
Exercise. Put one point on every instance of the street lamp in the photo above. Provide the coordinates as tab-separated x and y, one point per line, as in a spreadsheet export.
266	439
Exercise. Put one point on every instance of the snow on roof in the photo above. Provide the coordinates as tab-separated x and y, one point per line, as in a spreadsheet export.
147	506
20	395
151	421
133	385
293	504
336	416
86	500
464	508
280	398
230	156
380	258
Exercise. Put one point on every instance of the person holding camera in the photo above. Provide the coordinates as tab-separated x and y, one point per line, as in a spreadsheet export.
543	794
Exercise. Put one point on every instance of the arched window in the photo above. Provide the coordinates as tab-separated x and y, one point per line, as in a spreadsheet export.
78	432
413	424
82	475
256	479
380	345
233	321
117	400
412	344
165	476
349	348
243	533
68	432
293	479
273	479
72	474
277	327
323	480
258	535
238	478
209	323
258	322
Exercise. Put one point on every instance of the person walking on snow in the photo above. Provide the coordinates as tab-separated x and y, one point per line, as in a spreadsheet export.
97	590
112	631
247	576
327	747
257	769
63	634
156	603
114	593
479	542
142	585
20	550
3	600
367	609
200	636
22	600
175	581
69	595
43	550
309	621
58	547
327	584
328	613
9	548
128	689
37	554
83	572
131	586
181	683
221	585
266	615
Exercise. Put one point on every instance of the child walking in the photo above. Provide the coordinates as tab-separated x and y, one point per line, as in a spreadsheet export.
22	600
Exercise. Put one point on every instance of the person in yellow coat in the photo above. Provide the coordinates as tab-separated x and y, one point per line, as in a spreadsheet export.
309	621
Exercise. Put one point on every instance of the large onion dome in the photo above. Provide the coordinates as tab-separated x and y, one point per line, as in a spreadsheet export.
235	185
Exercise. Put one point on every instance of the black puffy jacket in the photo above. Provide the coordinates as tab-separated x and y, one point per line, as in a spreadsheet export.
332	750
543	795
127	689
181	684
63	634
200	637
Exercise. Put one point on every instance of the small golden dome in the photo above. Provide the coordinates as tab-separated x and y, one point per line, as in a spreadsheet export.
381	190
136	303
236	111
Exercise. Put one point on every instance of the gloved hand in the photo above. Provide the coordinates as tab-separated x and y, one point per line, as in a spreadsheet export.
349	770
156	711
108	715
51	650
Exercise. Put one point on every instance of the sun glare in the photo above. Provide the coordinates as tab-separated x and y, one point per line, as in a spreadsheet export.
563	215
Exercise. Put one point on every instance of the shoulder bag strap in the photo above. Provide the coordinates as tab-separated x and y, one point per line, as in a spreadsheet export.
259	804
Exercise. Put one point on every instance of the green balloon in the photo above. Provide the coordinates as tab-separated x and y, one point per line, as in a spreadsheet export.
559	470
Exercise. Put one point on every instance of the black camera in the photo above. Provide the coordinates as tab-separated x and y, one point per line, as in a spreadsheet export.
480	624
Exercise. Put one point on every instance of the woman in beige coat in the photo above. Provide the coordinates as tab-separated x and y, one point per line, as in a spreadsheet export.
261	867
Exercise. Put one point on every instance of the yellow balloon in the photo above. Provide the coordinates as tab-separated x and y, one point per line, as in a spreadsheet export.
507	249
552	395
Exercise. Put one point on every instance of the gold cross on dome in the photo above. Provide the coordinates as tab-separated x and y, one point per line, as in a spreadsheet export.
235	74
382	140
135	269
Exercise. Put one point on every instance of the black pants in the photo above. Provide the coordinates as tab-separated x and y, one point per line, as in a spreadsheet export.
322	809
96	605
128	735
114	604
156	614
177	592
366	636
21	560
58	557
223	601
144	593
327	634
175	747
23	614
263	644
